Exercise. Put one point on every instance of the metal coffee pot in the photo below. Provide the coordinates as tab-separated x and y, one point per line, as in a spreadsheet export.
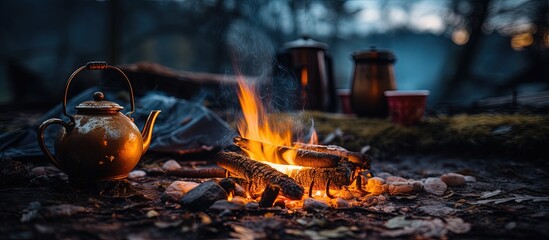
309	61
98	142
373	75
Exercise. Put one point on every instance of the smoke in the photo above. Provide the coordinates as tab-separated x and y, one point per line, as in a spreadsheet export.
254	57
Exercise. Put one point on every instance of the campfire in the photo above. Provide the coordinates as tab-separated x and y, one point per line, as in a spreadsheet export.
270	157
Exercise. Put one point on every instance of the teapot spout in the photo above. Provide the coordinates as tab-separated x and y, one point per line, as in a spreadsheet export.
146	133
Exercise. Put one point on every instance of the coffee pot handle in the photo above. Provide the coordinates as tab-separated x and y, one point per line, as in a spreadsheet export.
97	65
42	143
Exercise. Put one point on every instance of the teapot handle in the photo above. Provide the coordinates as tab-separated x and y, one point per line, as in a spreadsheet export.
42	143
97	65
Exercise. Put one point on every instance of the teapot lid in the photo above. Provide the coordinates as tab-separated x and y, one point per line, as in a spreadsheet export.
374	55
99	105
306	42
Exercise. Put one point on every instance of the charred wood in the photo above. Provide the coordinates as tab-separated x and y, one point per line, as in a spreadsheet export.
303	157
359	159
269	195
318	177
259	173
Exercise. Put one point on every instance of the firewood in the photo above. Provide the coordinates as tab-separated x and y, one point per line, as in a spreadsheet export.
339	176
259	173
213	172
356	158
303	157
269	195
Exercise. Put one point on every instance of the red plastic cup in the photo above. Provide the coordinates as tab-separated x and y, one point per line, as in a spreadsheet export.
345	100
406	107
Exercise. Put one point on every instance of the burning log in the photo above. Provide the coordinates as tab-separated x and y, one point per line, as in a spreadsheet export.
303	157
359	159
338	176
260	173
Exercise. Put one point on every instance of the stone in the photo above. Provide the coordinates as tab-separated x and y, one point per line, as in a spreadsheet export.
346	194
311	204
152	214
45	171
13	172
203	196
383	175
392	179
280	203
438	210
340	203
453	179
294	204
470	179
221	205
374	200
375	186
171	165
404	188
176	190
228	185
239	200
136	174
239	191
252	205
435	186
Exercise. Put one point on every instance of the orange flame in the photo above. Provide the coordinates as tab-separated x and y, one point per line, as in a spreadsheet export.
256	125
314	138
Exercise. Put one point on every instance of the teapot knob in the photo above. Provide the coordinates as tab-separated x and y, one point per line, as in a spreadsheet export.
98	96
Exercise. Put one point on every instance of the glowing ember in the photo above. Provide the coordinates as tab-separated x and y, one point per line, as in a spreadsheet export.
256	125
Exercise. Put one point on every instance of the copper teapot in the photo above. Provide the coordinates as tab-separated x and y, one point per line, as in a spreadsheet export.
98	142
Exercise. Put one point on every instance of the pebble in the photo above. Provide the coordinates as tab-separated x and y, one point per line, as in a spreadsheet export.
404	188
294	204
372	200
239	191
171	165
340	203
375	186
152	213
224	204
453	179
239	199
252	205
311	204
383	175
136	174
203	196
45	171
435	186
470	179
392	179
176	190
280	203
346	194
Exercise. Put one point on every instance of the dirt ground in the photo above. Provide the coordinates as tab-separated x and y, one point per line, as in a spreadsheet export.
44	205
506	197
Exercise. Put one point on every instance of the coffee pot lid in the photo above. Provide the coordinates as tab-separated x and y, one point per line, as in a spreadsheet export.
306	42
99	104
374	55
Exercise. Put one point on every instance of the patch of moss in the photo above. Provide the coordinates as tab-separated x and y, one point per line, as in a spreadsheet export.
485	134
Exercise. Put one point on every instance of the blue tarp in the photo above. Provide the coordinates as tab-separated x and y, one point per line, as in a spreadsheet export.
182	126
